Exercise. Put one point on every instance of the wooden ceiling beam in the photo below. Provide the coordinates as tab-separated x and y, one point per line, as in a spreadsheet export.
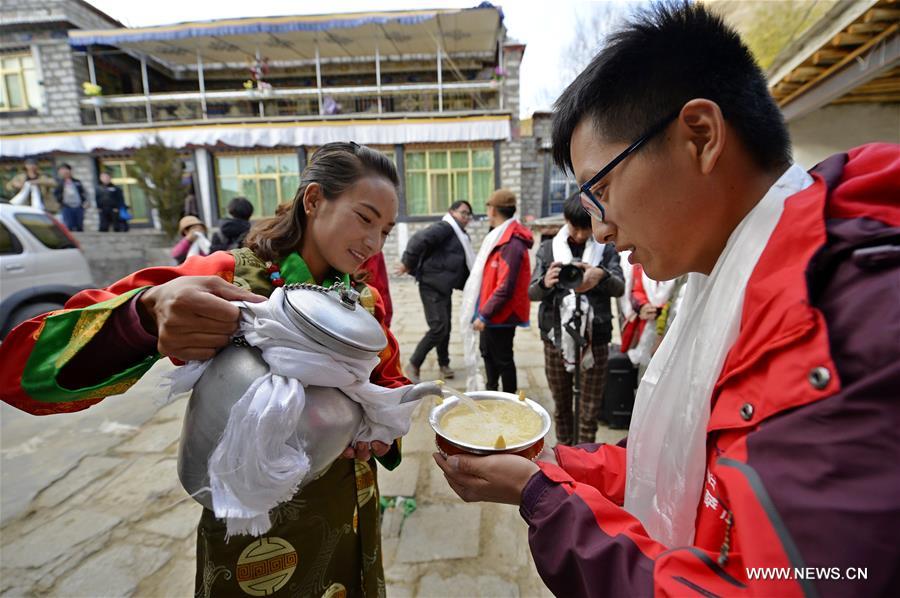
849	39
839	65
827	56
864	28
802	74
876	99
890	15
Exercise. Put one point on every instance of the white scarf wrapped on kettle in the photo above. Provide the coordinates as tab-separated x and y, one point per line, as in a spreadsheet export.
666	457
258	463
471	295
592	255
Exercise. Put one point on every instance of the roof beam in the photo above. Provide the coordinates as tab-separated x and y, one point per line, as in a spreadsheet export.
872	60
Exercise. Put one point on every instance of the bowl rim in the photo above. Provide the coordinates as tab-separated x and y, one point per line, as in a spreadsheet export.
448	403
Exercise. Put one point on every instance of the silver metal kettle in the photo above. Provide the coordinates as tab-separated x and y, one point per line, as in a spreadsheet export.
332	317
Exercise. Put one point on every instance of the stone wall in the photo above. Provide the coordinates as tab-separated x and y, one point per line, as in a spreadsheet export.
43	33
80	15
532	176
512	59
112	256
536	164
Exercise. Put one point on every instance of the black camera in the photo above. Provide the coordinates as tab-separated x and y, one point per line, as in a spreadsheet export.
570	277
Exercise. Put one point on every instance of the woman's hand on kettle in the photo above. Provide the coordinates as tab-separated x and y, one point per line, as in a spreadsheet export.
494	478
191	316
363	451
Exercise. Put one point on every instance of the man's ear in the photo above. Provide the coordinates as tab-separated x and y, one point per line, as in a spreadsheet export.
703	133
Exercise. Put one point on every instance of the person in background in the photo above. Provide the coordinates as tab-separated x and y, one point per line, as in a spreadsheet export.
232	230
69	194
495	299
764	438
602	280
109	199
191	208
439	257
125	216
33	188
646	309
193	239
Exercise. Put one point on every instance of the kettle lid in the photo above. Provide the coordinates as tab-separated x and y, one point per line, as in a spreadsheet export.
334	317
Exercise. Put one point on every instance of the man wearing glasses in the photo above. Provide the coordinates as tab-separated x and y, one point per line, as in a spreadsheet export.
440	257
765	430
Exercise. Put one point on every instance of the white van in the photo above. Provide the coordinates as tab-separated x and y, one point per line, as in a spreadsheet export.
41	265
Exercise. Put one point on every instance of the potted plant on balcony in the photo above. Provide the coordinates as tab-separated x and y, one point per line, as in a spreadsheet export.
94	93
256	85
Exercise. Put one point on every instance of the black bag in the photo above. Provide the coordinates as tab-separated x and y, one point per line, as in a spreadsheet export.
621	382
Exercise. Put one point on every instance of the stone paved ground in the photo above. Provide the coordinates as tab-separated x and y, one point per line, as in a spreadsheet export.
91	505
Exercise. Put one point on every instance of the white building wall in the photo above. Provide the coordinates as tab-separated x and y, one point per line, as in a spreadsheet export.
834	129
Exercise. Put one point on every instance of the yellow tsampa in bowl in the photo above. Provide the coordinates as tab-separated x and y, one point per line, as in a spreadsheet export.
493	422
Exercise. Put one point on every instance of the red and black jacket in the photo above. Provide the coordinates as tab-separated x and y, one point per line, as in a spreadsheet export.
504	285
803	441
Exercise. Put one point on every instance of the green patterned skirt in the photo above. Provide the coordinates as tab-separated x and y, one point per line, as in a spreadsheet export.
325	542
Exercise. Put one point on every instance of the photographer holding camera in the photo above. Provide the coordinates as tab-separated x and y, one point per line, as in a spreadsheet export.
555	275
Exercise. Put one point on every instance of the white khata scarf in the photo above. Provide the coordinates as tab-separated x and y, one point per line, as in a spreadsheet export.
463	239
29	195
666	457
471	294
259	462
593	254
200	246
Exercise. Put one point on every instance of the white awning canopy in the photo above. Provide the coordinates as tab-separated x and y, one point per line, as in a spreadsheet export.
295	39
287	134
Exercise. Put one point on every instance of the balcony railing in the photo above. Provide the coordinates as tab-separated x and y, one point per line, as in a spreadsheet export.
469	96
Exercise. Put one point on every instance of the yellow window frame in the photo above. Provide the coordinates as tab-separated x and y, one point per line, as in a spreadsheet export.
257	177
21	71
450	171
127	184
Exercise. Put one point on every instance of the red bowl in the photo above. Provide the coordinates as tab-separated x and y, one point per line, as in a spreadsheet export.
449	446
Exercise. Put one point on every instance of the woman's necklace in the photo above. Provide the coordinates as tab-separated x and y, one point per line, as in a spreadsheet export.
274	271
293	269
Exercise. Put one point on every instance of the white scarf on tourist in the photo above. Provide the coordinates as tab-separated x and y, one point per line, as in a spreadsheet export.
592	255
471	295
463	239
29	195
259	462
666	457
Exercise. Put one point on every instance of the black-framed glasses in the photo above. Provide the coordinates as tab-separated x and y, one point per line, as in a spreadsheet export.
589	201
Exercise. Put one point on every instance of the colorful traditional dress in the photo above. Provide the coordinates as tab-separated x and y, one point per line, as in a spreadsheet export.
325	541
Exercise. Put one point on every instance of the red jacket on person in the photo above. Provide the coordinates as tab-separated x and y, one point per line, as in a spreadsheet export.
504	285
803	441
